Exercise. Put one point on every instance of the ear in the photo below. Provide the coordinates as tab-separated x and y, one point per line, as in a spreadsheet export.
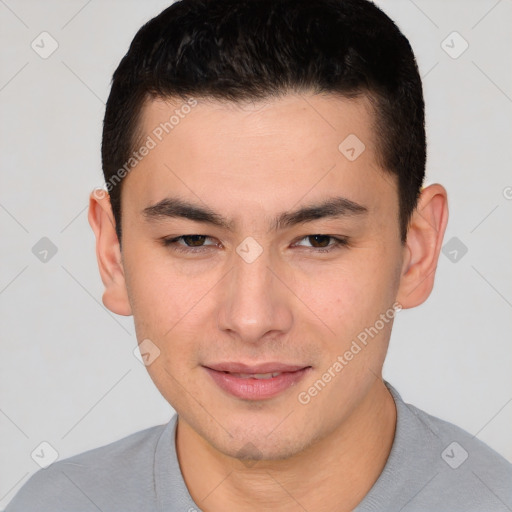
108	253
423	245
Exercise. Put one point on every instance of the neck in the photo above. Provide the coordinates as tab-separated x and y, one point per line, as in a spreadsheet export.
338	469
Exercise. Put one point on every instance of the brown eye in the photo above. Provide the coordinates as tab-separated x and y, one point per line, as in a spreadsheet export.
319	240
194	240
323	243
189	243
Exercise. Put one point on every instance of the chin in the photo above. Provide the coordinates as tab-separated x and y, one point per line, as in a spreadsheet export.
251	452
250	447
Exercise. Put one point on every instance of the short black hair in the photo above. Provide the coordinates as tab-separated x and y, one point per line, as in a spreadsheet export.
246	50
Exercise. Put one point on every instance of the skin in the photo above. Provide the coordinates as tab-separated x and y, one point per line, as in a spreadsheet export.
251	162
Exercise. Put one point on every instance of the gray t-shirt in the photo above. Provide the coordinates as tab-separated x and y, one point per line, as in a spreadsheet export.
433	466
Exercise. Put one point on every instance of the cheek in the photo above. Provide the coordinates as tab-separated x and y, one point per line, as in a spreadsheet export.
353	291
158	296
171	302
157	291
351	305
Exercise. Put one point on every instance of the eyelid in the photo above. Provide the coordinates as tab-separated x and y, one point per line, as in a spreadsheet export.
339	242
336	239
169	241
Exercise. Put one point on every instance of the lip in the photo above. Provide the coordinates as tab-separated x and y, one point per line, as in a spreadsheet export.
248	388
271	367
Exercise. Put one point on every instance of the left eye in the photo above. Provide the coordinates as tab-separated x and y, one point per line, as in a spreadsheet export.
321	242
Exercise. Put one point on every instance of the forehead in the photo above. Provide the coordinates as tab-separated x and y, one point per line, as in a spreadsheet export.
304	122
293	117
264	155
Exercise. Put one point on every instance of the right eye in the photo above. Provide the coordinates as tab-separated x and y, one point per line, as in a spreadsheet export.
187	243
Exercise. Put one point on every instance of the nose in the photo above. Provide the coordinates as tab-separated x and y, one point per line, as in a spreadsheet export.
254	304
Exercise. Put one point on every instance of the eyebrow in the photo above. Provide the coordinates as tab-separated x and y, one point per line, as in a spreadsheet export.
173	207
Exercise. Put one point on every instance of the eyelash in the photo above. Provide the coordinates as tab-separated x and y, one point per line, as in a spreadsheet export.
339	242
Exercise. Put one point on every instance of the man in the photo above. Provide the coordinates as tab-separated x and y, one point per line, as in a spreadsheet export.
264	223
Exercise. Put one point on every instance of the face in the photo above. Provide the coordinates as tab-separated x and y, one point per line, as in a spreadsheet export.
232	280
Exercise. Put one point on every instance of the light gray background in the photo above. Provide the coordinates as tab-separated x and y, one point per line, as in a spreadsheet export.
67	372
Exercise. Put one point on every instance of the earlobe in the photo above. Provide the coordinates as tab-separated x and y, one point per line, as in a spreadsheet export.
424	241
108	253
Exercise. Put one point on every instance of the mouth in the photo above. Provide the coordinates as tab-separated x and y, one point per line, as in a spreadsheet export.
255	375
256	382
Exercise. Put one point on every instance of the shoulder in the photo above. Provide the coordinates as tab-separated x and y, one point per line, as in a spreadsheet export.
111	477
460	446
447	468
